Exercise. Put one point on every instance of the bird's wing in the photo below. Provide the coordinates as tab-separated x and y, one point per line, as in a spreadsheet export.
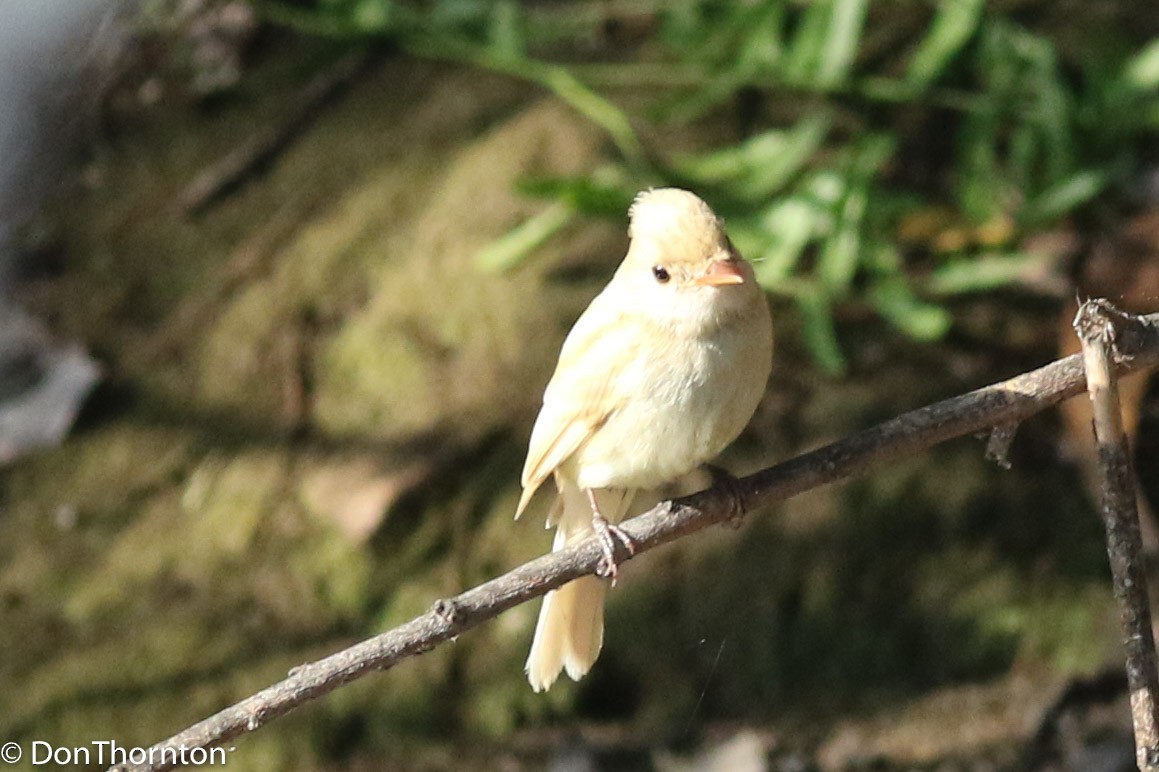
583	393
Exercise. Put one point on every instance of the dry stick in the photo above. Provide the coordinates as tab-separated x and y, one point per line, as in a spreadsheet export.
999	405
1095	325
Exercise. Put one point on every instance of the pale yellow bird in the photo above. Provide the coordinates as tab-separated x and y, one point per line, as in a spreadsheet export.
659	374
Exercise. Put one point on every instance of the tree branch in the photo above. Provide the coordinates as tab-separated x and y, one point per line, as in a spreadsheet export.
1095	325
1003	404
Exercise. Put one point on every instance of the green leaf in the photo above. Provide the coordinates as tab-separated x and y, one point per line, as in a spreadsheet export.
981	187
839	257
559	80
1054	111
746	44
818	330
984	273
804	53
506	31
894	300
1064	197
837	264
596	195
513	247
762	37
1142	71
455	14
762	165
788	226
690	106
823	50
715	37
590	104
373	16
955	23
841	42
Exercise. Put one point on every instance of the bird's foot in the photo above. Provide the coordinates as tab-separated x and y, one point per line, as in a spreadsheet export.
730	486
609	535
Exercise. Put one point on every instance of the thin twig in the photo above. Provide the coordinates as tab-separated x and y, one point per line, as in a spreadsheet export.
1003	403
1095	324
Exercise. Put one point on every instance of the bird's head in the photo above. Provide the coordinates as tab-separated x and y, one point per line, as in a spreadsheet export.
681	257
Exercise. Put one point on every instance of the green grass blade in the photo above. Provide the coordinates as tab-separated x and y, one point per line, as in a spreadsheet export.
1142	71
984	273
896	302
839	258
513	247
818	330
1063	197
846	21
803	59
555	78
505	34
764	164
954	25
789	227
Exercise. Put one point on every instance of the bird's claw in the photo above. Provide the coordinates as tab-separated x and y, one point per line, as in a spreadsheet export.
730	486
609	535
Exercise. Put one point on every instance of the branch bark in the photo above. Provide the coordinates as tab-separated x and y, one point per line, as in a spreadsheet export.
1095	324
1000	405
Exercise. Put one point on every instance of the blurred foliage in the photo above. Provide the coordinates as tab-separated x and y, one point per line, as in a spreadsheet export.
911	150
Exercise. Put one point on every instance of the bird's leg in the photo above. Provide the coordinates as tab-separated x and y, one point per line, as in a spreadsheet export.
608	535
730	486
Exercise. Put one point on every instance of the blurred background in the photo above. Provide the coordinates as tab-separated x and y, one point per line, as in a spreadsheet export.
281	283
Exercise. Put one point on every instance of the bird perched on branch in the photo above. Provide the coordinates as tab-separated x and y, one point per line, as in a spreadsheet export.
659	374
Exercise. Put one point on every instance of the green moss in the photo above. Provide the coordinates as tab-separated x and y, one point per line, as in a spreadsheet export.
371	379
336	570
438	339
226	502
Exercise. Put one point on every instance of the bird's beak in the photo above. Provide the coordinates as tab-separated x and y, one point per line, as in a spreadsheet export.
721	272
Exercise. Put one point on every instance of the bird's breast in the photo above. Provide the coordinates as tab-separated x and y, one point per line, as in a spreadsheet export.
692	395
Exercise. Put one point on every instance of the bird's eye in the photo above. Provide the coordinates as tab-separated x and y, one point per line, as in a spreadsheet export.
661	274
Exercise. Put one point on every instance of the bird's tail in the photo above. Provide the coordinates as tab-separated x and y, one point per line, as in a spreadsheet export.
570	630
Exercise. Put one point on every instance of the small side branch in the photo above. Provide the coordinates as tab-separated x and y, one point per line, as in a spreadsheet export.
1096	328
1003	404
998	446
